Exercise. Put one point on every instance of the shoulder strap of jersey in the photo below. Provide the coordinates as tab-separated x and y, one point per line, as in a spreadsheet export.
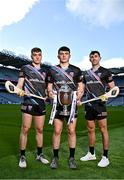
66	74
91	73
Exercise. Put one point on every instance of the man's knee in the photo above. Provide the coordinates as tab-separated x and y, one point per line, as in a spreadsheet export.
25	129
57	132
91	129
39	130
71	131
103	129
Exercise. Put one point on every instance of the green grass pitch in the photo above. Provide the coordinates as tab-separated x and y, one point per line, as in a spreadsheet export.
10	122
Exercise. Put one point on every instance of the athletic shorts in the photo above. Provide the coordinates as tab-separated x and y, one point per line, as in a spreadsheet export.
33	110
62	118
95	111
59	111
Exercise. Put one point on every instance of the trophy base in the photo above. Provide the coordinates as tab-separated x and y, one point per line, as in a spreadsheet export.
64	113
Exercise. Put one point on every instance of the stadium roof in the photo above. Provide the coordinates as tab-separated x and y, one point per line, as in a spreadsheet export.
116	71
8	58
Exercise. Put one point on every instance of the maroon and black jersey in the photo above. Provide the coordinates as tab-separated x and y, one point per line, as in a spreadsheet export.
35	81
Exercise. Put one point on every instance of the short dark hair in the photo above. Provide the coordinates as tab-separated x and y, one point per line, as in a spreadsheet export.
35	49
63	48
93	52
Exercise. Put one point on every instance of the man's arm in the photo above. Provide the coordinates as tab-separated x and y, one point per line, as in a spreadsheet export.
80	90
111	84
50	90
20	86
20	83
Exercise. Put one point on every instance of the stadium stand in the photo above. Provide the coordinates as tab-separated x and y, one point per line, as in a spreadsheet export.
8	74
9	70
119	81
10	65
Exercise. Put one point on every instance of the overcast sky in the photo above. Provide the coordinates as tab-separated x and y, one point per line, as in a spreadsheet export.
82	25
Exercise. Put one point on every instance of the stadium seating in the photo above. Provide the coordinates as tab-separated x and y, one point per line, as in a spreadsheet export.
7	98
8	74
119	80
119	101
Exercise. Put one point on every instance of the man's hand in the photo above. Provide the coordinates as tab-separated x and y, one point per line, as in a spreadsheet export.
104	98
79	95
21	93
51	94
79	103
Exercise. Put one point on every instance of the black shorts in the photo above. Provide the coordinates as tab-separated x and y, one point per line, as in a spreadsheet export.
33	110
95	111
62	118
59	112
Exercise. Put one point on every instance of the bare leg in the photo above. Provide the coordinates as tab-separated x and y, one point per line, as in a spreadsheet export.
26	124
72	134
91	132
58	125
104	132
39	124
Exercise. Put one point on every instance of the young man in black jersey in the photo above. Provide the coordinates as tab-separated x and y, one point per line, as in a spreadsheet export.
65	79
96	80
32	79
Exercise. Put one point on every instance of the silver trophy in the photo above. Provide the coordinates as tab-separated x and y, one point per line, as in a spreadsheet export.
65	99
